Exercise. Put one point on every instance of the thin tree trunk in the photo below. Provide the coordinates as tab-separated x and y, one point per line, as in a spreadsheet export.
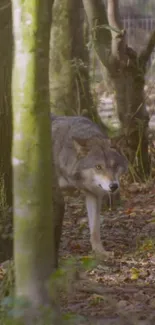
81	90
61	72
80	60
134	119
69	61
5	132
34	241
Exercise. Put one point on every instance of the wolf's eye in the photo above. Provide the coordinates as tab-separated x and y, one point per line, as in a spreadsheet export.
98	167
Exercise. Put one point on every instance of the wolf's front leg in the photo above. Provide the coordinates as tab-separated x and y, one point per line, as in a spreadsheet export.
93	205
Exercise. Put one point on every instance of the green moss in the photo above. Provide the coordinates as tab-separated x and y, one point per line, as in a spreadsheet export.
32	173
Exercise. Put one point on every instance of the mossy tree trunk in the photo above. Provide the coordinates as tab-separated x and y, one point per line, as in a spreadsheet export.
69	61
81	89
61	72
5	131
34	215
80	60
127	74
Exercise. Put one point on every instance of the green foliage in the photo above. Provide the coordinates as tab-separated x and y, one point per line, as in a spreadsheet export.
62	280
147	246
88	262
7	312
12	311
7	283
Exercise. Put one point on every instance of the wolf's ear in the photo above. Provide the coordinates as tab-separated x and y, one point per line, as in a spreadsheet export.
80	146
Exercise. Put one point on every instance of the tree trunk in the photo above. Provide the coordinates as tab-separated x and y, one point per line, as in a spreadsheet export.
69	61
34	241
81	90
127	71
134	119
5	132
59	210
61	72
80	59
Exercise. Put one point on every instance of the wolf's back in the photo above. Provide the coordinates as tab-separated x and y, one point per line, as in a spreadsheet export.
64	129
75	126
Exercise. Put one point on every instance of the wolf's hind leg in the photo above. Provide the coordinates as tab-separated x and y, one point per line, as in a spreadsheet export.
93	205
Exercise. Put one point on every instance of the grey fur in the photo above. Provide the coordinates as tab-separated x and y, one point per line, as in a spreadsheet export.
80	148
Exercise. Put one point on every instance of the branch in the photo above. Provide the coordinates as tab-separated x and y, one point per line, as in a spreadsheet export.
97	18
101	290
117	32
109	41
146	53
113	14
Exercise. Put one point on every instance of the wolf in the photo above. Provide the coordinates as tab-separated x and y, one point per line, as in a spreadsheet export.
84	159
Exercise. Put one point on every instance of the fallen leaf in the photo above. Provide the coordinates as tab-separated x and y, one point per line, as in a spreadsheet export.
134	274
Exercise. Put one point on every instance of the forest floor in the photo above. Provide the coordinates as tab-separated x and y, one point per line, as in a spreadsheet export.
120	291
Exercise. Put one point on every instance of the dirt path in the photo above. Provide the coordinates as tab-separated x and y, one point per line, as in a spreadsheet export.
121	291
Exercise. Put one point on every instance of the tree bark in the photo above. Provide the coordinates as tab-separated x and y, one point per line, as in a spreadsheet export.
6	43
61	72
81	90
33	173
82	97
127	73
69	61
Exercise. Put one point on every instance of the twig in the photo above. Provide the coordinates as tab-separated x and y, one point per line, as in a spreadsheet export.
89	287
118	44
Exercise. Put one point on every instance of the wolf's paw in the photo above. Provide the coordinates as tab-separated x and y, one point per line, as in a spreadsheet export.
101	253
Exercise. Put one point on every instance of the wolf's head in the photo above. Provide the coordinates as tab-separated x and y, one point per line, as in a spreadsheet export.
99	166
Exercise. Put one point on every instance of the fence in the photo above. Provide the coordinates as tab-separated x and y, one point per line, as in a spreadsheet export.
147	23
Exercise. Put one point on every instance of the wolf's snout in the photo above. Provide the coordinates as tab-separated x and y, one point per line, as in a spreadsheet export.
113	186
